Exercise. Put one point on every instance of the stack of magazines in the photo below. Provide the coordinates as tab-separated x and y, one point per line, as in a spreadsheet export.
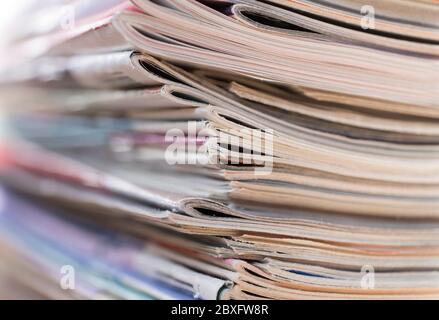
221	149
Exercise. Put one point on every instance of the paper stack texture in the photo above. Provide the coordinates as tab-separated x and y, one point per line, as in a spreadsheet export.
221	149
